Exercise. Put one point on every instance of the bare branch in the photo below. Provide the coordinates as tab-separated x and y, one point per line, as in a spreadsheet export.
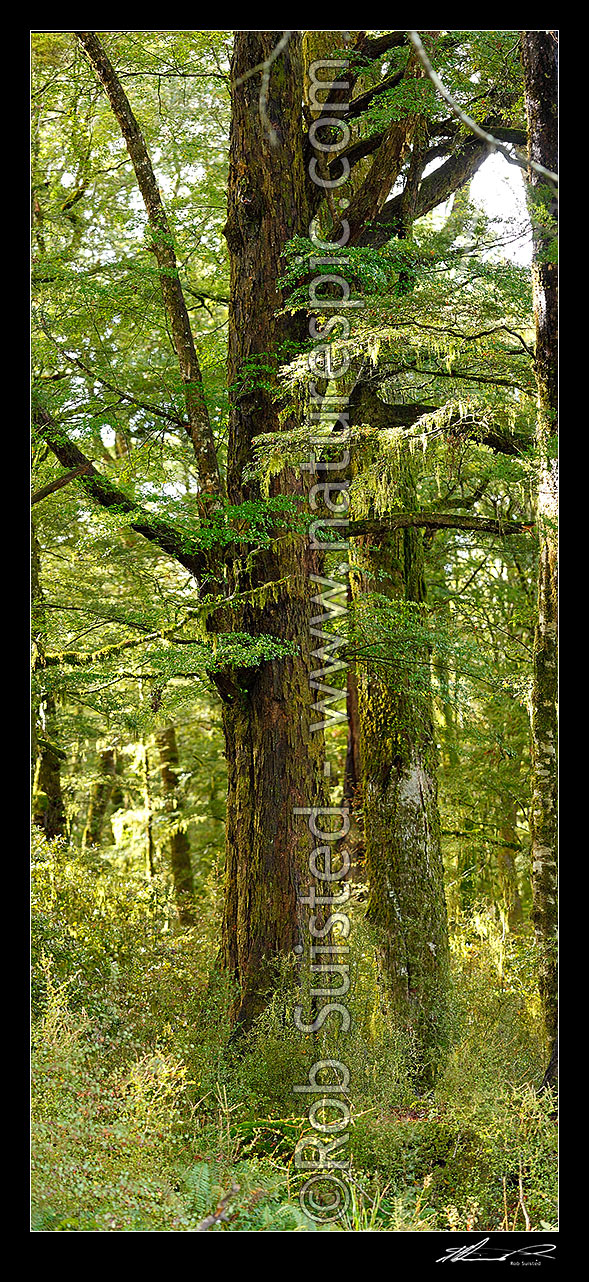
221	1213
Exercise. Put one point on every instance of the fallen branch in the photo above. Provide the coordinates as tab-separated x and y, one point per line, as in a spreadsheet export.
222	1212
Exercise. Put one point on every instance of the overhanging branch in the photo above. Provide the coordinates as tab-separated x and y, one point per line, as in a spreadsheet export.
102	490
471	124
59	483
373	526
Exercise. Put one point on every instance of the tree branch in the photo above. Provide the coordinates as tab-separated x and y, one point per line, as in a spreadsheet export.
223	1211
359	104
384	170
59	483
200	429
437	187
102	490
374	48
471	124
433	521
80	658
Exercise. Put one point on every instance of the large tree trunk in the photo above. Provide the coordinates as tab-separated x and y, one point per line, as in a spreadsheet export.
179	844
352	790
273	759
406	903
48	806
540	60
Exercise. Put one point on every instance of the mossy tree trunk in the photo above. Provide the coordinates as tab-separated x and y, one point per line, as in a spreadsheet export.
406	903
540	61
148	805
273	759
352	791
180	861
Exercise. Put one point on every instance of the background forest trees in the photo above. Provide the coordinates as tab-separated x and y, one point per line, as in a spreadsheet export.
171	599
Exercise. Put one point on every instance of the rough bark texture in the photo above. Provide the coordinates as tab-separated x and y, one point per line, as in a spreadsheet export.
404	867
100	795
540	60
199	428
179	844
273	760
352	794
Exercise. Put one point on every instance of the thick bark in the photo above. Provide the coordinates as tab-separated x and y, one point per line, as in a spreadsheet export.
404	867
100	795
273	759
539	53
179	844
48	805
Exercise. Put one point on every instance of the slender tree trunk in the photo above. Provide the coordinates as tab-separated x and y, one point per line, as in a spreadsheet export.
118	794
179	844
507	870
48	806
540	60
352	791
100	795
147	799
404	867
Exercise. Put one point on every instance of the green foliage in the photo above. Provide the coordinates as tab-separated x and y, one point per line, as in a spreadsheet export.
146	1118
143	1122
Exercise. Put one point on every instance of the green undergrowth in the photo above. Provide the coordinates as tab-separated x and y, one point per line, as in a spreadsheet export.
145	1119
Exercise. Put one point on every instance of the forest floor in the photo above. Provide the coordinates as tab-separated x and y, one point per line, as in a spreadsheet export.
144	1121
